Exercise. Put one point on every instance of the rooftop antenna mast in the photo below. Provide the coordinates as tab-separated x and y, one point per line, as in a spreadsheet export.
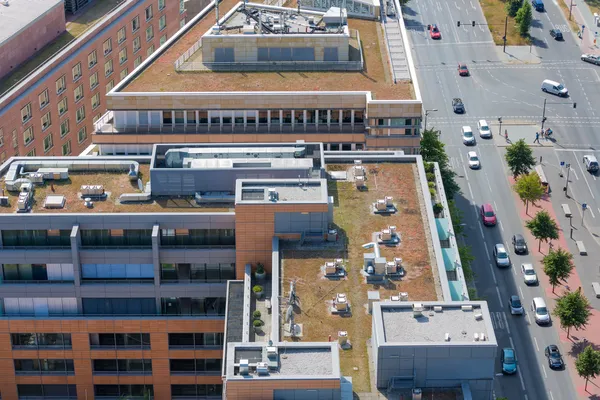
217	13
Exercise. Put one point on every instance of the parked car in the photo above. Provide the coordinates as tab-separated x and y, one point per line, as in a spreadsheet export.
484	129
540	311
556	34
467	135
488	216
591	163
515	306
463	70
458	106
529	275
501	256
591	58
509	361
434	32
538	5
555	360
473	160
519	244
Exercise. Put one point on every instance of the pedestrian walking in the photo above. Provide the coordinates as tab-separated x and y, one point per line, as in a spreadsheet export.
537	137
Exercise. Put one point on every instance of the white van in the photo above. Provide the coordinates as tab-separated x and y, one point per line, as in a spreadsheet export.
540	311
467	135
553	87
484	129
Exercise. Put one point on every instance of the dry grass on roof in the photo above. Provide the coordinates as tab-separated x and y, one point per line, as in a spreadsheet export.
356	223
161	76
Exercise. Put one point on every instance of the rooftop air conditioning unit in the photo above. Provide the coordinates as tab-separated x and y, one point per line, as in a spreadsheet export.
356	162
467	308
403	296
417	310
262	368
437	308
272	194
476	337
244	367
271	351
482	337
479	316
447	337
389	201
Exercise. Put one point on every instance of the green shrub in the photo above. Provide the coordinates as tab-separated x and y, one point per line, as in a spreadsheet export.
256	314
431	185
432	192
430	177
260	269
257	289
429	167
438	208
257	323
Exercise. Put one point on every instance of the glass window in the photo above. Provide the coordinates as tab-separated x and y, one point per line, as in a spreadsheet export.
161	4
78	93
64	128
46	121
92	59
62	106
137	44
191	117
66	148
163	39
61	85
109	86
82	134
123	74
359	116
121	36
95	101
122	55
322	116
107	46
43	98
149	13
1	137
192	391
93	80
76	71
80	114
26	113
44	366
162	23
108	68
55	391
150	35
135	23
150	50
28	136
48	143
179	117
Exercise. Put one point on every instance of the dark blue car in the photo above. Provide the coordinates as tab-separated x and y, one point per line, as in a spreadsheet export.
538	5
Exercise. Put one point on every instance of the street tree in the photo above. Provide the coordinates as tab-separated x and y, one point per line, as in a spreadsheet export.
512	6
588	364
558	266
432	150
529	188
519	158
524	18
543	227
573	310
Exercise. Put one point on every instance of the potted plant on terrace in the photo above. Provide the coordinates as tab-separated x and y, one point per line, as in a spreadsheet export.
257	323
260	273
258	291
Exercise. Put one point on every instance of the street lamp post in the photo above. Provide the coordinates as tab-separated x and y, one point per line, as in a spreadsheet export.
544	115
500	122
426	114
504	37
568	167
570	8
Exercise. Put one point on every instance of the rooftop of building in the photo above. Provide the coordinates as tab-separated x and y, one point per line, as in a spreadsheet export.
432	321
76	26
16	15
356	224
160	76
260	191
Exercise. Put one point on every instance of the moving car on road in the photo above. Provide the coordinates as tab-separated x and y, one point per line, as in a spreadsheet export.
467	135
484	129
463	70
591	58
434	32
540	311
529	275
509	360
488	216
501	256
591	163
473	160
515	306
519	244
556	34
538	5
555	360
458	106
553	87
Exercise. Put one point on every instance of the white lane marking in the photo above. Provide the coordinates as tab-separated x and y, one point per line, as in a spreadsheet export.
545	373
487	252
471	193
521	379
592	211
586	181
466	175
552	397
453	26
521	291
502	227
536	344
528	319
456	5
512	344
526	398
495	205
472	6
574	173
483	237
493	274
490	186
506	322
499	297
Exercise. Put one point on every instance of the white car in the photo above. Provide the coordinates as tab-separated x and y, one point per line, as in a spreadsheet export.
591	58
529	275
484	129
467	135
501	256
473	160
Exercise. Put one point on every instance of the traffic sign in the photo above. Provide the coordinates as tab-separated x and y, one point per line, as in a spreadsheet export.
562	163
583	206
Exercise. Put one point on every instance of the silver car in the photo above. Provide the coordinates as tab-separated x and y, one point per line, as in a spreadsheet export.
591	58
501	256
529	275
474	162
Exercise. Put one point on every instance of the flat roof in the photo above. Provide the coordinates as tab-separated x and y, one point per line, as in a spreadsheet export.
401	326
287	191
356	223
160	75
19	14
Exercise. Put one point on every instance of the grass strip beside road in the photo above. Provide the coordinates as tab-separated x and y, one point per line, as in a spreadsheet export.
564	6
495	15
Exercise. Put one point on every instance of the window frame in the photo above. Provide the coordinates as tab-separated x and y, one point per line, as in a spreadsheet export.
65	122
81	95
148	18
31	136
151	29
79	139
111	70
65	108
135	21
80	110
162	21
63	85
26	113
45	125
107	46
68	144
44	103
92	59
74	69
96	98
51	144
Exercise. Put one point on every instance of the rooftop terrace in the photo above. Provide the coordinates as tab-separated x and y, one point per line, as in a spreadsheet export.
161	76
400	325
354	219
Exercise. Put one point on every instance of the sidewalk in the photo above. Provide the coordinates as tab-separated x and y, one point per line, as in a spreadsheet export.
572	346
583	15
517	132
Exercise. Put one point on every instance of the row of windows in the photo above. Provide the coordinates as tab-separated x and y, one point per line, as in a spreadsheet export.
115	340
197	272
123	366
122	391
263	117
197	237
44	366
37	272
116	237
195	366
28	134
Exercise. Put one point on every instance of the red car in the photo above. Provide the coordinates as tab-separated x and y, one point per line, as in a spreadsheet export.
434	32
488	216
463	70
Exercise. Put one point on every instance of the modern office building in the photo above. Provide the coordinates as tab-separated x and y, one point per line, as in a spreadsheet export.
133	276
252	73
54	73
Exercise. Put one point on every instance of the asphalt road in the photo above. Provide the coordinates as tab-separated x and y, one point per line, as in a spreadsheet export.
511	91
